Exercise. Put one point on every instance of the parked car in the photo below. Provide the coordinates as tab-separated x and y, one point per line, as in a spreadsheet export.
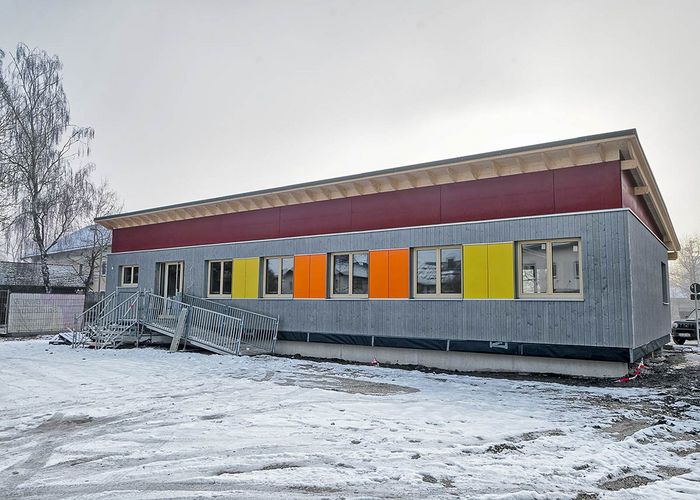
684	329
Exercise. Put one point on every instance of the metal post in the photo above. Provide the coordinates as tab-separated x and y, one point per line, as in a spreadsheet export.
695	291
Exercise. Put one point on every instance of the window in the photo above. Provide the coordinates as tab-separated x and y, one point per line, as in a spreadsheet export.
350	274
550	268
438	272
130	275
279	276
220	277
664	283
103	268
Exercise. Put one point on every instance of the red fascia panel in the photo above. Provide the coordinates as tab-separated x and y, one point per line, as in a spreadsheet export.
321	217
589	187
636	203
573	189
242	226
409	207
498	197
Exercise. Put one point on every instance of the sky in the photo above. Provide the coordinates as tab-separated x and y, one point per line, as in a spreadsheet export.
196	99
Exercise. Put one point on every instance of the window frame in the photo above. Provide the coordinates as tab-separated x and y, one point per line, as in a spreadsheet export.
438	282
550	294
279	294
131	283
351	265
221	293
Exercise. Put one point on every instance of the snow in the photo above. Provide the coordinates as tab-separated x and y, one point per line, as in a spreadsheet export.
146	423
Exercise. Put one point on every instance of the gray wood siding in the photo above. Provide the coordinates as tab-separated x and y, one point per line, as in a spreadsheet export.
651	318
602	318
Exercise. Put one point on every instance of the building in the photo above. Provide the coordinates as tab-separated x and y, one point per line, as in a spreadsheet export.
80	250
547	258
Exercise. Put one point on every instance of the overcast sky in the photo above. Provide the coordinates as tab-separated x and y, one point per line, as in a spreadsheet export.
194	99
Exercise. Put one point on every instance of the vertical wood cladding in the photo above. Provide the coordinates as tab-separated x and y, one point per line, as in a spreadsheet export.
602	318
574	189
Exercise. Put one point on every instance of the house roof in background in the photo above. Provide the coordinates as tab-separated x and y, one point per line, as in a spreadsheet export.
29	274
78	240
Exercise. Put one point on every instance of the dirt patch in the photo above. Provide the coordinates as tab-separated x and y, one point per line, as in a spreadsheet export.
626	482
669	471
531	436
61	423
503	447
315	489
345	384
625	427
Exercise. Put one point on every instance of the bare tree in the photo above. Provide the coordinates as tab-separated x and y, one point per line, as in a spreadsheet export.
42	193
686	269
96	241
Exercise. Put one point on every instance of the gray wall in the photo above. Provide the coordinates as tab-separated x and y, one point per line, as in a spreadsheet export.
602	318
651	318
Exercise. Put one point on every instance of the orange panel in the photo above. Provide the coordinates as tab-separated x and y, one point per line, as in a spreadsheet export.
317	276
379	274
301	276
399	266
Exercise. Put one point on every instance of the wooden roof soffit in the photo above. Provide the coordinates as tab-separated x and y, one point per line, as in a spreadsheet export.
624	148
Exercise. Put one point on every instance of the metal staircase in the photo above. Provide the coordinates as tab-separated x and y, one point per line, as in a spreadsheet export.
120	319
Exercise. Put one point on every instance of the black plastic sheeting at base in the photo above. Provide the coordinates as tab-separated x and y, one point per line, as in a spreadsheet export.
591	353
639	352
407	343
331	338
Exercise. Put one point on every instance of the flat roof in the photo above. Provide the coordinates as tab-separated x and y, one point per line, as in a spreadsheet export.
618	145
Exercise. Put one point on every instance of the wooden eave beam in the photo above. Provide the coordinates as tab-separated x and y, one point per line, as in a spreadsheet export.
629	165
641	190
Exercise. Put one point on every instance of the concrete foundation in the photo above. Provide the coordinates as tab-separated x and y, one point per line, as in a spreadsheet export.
457	361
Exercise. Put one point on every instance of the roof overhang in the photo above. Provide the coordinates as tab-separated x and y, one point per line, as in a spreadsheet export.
622	145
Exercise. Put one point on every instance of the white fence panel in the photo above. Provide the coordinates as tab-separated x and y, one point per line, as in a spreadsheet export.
37	313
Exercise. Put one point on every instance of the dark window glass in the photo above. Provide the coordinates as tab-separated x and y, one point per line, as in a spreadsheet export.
360	273
287	276
664	283
126	276
135	275
272	277
565	267
215	278
426	269
228	277
341	274
451	270
534	267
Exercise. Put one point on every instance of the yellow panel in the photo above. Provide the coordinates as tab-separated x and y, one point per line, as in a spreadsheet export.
476	278
252	275
245	278
239	268
501	272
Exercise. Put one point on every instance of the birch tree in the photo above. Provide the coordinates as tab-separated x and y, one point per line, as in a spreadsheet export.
43	192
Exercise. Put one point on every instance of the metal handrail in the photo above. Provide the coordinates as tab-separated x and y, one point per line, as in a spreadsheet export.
92	313
116	321
218	330
259	330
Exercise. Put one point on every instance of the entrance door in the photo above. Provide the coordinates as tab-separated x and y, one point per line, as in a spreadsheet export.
172	279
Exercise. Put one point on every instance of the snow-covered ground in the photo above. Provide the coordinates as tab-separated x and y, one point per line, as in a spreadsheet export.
150	424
